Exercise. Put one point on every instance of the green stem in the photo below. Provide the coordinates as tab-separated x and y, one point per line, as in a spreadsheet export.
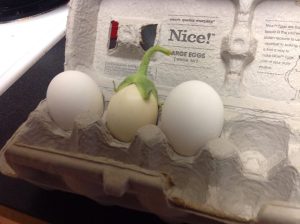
144	85
147	56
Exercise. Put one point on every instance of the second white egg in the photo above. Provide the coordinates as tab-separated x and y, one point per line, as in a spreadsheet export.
191	116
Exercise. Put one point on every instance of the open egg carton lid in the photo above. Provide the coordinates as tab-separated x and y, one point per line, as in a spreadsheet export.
247	50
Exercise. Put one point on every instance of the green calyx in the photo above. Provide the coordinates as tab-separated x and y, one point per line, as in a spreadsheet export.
144	85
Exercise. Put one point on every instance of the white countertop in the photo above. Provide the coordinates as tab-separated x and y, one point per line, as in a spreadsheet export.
25	41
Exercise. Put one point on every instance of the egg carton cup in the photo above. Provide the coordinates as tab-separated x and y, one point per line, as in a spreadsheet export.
222	182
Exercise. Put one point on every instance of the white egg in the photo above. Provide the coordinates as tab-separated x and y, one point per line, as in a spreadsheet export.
71	94
192	115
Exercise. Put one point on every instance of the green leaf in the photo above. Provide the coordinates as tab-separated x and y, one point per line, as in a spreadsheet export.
144	85
126	82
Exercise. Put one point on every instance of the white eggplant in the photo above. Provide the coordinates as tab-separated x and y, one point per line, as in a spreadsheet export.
135	103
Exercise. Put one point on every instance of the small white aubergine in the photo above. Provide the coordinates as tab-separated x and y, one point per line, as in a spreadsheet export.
71	94
135	103
191	116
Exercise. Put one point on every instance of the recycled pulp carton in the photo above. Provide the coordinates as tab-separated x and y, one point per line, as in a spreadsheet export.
248	50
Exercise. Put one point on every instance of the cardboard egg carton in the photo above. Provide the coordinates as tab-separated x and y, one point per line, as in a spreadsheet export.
247	50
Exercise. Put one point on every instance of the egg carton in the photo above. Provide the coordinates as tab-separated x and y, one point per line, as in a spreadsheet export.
247	50
148	174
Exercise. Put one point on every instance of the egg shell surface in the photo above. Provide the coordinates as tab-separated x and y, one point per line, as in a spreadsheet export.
71	94
192	114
